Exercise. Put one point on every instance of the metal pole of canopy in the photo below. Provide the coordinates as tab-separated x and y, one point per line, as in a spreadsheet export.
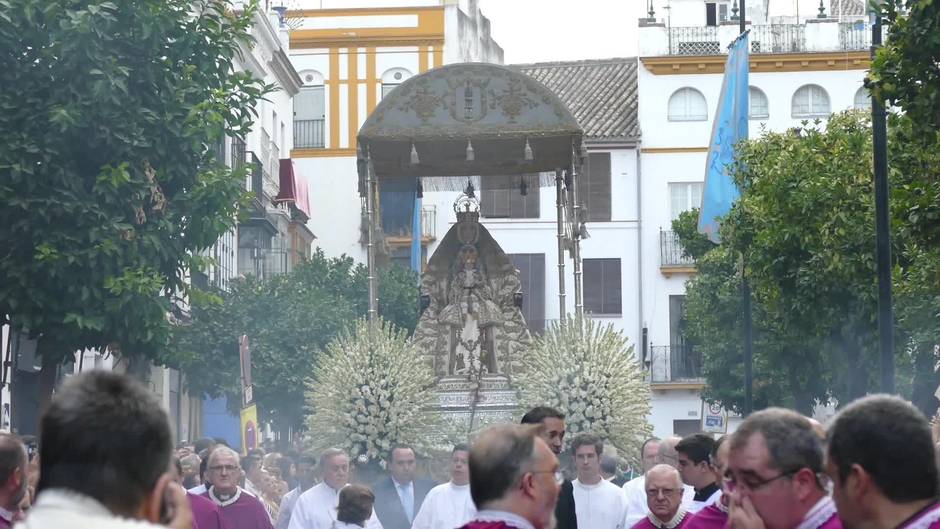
370	247
559	205
576	233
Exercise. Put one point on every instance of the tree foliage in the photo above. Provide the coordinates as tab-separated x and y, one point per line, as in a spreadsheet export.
371	390
904	72
108	184
587	371
288	319
803	232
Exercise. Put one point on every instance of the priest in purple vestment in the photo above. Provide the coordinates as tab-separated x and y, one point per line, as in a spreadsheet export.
882	465
664	499
240	509
775	474
514	479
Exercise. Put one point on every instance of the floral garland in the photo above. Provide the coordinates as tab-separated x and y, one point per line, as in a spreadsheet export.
370	391
588	372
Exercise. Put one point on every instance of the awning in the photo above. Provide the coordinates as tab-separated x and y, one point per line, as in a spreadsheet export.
293	187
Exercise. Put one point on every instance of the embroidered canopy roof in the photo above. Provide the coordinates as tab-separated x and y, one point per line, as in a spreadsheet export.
470	119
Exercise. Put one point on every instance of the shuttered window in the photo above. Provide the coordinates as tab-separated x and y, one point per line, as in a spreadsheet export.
594	187
531	268
501	197
601	280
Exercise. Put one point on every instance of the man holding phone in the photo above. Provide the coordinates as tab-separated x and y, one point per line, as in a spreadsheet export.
105	459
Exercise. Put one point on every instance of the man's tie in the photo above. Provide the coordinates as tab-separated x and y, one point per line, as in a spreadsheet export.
407	501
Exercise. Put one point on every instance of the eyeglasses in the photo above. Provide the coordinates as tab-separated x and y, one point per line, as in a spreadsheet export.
226	468
654	493
559	475
754	483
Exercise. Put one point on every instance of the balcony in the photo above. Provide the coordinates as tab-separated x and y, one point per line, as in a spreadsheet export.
400	234
676	364
672	257
825	35
308	134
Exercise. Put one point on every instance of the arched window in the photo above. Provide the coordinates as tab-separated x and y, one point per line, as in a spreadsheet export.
309	111
687	104
810	101
758	107
862	99
392	78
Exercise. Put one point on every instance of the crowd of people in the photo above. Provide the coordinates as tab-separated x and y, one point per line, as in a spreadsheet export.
105	453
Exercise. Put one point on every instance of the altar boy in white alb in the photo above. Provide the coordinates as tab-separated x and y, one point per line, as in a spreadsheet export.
599	503
449	505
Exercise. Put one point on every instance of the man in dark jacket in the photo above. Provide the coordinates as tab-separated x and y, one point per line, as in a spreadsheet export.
552	429
398	497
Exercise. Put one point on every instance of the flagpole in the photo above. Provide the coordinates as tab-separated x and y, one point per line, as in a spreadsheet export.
746	291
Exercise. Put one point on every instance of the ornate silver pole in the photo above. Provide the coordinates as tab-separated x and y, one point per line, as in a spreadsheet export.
560	206
576	232
370	247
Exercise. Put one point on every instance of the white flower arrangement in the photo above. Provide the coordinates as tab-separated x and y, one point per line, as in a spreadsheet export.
370	390
588	372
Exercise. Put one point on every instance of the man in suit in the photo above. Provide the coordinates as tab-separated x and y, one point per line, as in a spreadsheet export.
551	423
398	497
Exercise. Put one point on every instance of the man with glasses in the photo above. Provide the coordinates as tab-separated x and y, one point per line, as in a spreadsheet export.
514	479
662	451
317	508
664	500
240	509
551	423
600	503
881	461
774	477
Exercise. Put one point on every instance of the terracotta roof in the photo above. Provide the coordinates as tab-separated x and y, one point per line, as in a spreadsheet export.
602	94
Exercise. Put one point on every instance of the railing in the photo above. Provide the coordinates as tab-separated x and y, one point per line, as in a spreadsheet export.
826	36
308	133
671	252
265	151
272	180
257	182
695	41
778	38
674	363
238	153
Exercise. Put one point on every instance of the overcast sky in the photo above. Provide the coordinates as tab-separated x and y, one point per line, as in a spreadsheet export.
563	30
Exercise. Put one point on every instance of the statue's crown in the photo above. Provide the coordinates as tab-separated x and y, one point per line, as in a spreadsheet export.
468	216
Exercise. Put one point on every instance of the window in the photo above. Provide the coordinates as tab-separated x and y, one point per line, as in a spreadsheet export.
758	107
687	104
711	15
392	78
501	197
810	101
594	188
683	197
309	116
274	128
862	99
602	286
531	268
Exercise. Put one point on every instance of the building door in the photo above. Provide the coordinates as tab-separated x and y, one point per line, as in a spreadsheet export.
711	14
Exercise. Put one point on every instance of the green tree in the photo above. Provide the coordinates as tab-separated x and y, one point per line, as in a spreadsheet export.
288	319
108	184
904	72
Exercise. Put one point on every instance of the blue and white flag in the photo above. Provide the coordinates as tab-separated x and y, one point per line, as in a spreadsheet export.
729	128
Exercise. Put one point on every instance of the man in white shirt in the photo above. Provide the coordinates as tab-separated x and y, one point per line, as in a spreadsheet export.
316	508
654	452
599	504
449	505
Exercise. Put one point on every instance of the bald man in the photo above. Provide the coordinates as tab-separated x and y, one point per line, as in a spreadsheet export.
635	489
663	499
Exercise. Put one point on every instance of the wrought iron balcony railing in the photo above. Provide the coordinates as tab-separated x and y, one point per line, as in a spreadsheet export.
671	253
308	133
772	38
676	363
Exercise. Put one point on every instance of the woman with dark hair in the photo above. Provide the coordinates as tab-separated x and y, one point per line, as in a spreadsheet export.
355	507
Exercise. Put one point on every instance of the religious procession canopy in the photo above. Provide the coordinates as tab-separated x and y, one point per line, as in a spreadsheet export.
469	119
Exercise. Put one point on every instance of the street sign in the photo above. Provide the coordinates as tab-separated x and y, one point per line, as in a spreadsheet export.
247	395
249	428
714	418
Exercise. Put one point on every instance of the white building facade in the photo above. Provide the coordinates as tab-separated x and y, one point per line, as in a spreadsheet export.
801	69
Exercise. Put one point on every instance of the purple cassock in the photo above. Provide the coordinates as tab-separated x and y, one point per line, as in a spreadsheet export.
487	525
928	518
711	517
206	515
241	511
680	521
